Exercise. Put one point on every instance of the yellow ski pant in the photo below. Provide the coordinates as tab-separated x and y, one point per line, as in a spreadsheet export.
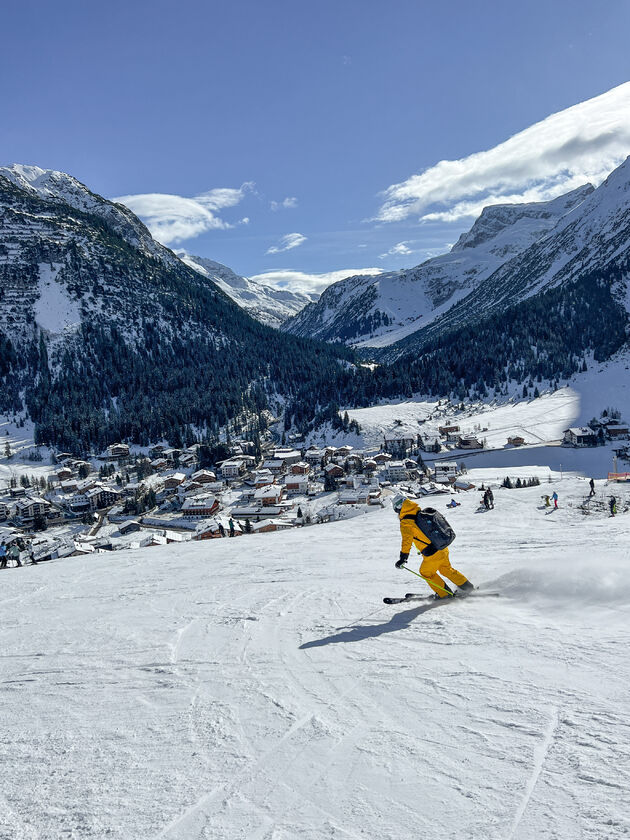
439	562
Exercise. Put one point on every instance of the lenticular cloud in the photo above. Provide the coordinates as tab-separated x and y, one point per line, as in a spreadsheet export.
578	145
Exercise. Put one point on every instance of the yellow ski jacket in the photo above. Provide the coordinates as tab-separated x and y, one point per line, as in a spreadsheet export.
409	530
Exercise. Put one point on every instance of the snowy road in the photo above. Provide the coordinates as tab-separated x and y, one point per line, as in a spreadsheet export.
258	688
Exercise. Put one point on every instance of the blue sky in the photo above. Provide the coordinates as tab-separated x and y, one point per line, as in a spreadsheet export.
302	141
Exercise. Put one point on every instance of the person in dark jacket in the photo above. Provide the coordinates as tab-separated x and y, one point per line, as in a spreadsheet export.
592	486
612	504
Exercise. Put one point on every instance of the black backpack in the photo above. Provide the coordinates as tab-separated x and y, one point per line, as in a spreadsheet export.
435	527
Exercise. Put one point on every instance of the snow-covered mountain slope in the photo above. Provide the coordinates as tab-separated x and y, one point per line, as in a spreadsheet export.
590	241
378	311
99	321
176	692
52	185
270	305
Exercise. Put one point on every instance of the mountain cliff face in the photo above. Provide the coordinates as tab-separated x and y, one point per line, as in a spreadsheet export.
265	303
378	311
105	334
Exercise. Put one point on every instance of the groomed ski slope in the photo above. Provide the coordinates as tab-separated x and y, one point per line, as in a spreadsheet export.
258	688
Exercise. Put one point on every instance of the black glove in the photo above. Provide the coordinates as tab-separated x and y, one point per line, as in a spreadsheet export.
403	559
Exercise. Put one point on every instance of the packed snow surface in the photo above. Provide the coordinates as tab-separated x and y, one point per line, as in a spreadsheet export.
259	688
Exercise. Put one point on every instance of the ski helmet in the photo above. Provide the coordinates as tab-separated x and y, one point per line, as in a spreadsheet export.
398	503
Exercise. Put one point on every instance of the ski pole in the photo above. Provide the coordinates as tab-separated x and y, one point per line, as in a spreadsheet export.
450	594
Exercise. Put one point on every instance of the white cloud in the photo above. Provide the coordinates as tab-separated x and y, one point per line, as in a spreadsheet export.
286	203
400	249
287	243
301	281
580	144
174	218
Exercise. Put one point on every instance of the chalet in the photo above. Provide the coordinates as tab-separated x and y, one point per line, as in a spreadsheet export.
444	470
70	486
157	450
448	430
63	474
267	525
287	456
274	465
343	451
198	507
187	459
27	509
187	488
257	512
5	511
263	477
617	431
354	462
580	436
382	458
516	441
272	494
174	480
299	468
334	471
400	443
313	456
17	492
296	484
374	496
369	465
129	527
469	442
357	496
159	463
171	454
102	497
396	471
204	476
233	468
115	452
430	444
78	503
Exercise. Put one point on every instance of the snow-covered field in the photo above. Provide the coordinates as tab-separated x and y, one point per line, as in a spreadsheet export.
259	688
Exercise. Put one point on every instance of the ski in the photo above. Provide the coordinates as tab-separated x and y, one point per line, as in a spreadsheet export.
459	596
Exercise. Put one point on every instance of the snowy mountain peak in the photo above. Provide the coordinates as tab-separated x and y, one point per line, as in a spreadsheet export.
379	311
265	303
495	218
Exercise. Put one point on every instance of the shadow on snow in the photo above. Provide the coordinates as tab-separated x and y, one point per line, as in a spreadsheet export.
400	621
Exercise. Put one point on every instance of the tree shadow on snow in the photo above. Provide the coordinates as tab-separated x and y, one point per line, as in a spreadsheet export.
400	621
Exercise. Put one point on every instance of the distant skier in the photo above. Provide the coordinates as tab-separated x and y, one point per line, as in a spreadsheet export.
592	486
486	501
231	524
221	530
434	561
3	556
554	496
547	500
612	504
490	498
14	554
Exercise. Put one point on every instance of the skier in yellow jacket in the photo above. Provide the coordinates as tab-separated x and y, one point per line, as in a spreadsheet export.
434	561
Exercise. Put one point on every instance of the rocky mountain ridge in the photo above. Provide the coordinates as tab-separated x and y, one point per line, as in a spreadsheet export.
379	311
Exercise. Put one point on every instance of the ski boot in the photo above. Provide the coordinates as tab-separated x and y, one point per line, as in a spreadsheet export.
451	594
466	586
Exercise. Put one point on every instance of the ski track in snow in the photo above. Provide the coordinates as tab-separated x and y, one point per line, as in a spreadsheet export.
258	688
